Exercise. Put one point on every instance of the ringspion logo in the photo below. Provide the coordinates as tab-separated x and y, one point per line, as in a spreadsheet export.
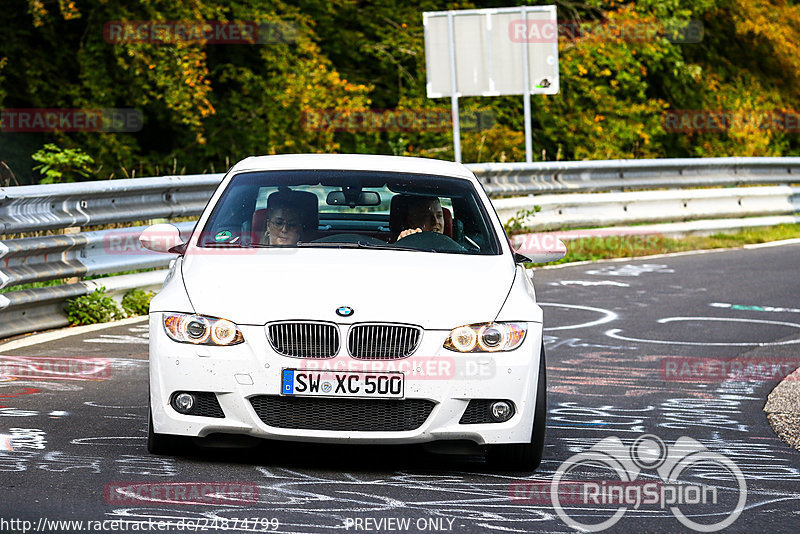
647	475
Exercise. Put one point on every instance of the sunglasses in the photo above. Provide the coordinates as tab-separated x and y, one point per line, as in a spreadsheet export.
283	224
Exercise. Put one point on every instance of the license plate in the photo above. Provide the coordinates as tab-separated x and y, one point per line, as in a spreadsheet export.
342	384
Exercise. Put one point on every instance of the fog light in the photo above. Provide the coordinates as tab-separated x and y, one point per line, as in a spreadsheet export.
501	411
183	402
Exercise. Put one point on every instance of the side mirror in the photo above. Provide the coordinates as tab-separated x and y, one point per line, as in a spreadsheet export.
161	238
538	248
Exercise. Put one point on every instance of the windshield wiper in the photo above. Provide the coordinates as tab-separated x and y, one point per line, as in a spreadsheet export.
329	244
358	244
222	245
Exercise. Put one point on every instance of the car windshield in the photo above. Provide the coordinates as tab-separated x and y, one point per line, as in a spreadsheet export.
351	209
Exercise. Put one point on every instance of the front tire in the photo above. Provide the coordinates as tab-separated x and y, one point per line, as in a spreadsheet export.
526	456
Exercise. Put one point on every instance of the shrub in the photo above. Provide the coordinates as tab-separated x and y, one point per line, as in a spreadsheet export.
137	302
96	307
60	165
515	224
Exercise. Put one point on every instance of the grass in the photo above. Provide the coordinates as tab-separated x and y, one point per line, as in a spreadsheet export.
630	246
31	285
60	281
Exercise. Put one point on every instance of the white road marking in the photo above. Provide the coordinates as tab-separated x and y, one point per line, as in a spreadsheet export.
66	332
631	270
608	316
615	333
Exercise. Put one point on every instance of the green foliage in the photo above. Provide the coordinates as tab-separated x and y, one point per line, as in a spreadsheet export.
60	165
516	224
31	285
596	248
206	105
3	63
137	302
96	307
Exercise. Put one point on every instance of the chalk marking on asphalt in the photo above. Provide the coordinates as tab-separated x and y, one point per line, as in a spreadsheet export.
631	270
119	339
608	316
103	440
66	332
614	333
745	307
95	405
588	283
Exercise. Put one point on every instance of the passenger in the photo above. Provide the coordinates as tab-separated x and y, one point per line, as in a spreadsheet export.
423	214
288	220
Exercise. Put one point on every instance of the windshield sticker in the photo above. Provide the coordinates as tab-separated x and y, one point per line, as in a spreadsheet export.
223	236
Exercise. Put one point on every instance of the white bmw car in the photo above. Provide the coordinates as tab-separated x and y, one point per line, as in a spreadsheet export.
348	298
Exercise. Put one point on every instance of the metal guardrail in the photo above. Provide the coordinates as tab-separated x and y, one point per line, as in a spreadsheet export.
28	209
30	310
49	207
576	210
37	259
589	176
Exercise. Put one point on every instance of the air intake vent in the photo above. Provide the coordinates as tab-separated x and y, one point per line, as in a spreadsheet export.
347	415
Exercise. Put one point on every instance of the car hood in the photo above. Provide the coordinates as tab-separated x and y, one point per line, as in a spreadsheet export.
433	290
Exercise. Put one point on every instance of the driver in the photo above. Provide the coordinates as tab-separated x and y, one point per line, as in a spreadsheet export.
424	214
290	218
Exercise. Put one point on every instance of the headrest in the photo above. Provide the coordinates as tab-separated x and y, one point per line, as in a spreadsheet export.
304	203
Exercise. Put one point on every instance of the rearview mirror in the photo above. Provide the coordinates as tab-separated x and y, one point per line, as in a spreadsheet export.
538	248
161	238
364	198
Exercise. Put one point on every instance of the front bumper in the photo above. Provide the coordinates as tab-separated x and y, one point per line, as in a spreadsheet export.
448	380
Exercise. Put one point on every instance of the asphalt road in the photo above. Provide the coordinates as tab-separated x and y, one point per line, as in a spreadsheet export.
629	348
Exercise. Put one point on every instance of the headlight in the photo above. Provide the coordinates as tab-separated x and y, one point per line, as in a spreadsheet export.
201	330
486	337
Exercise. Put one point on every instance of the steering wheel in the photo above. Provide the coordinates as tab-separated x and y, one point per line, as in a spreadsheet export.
430	241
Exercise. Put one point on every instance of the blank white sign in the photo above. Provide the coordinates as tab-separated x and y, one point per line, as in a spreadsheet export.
489	49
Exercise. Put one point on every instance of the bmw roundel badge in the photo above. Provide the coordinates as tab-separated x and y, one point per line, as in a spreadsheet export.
344	311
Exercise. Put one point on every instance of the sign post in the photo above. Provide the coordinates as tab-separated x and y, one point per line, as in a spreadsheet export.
492	52
451	37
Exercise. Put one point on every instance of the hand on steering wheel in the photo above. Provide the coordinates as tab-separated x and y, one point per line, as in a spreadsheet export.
408	232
